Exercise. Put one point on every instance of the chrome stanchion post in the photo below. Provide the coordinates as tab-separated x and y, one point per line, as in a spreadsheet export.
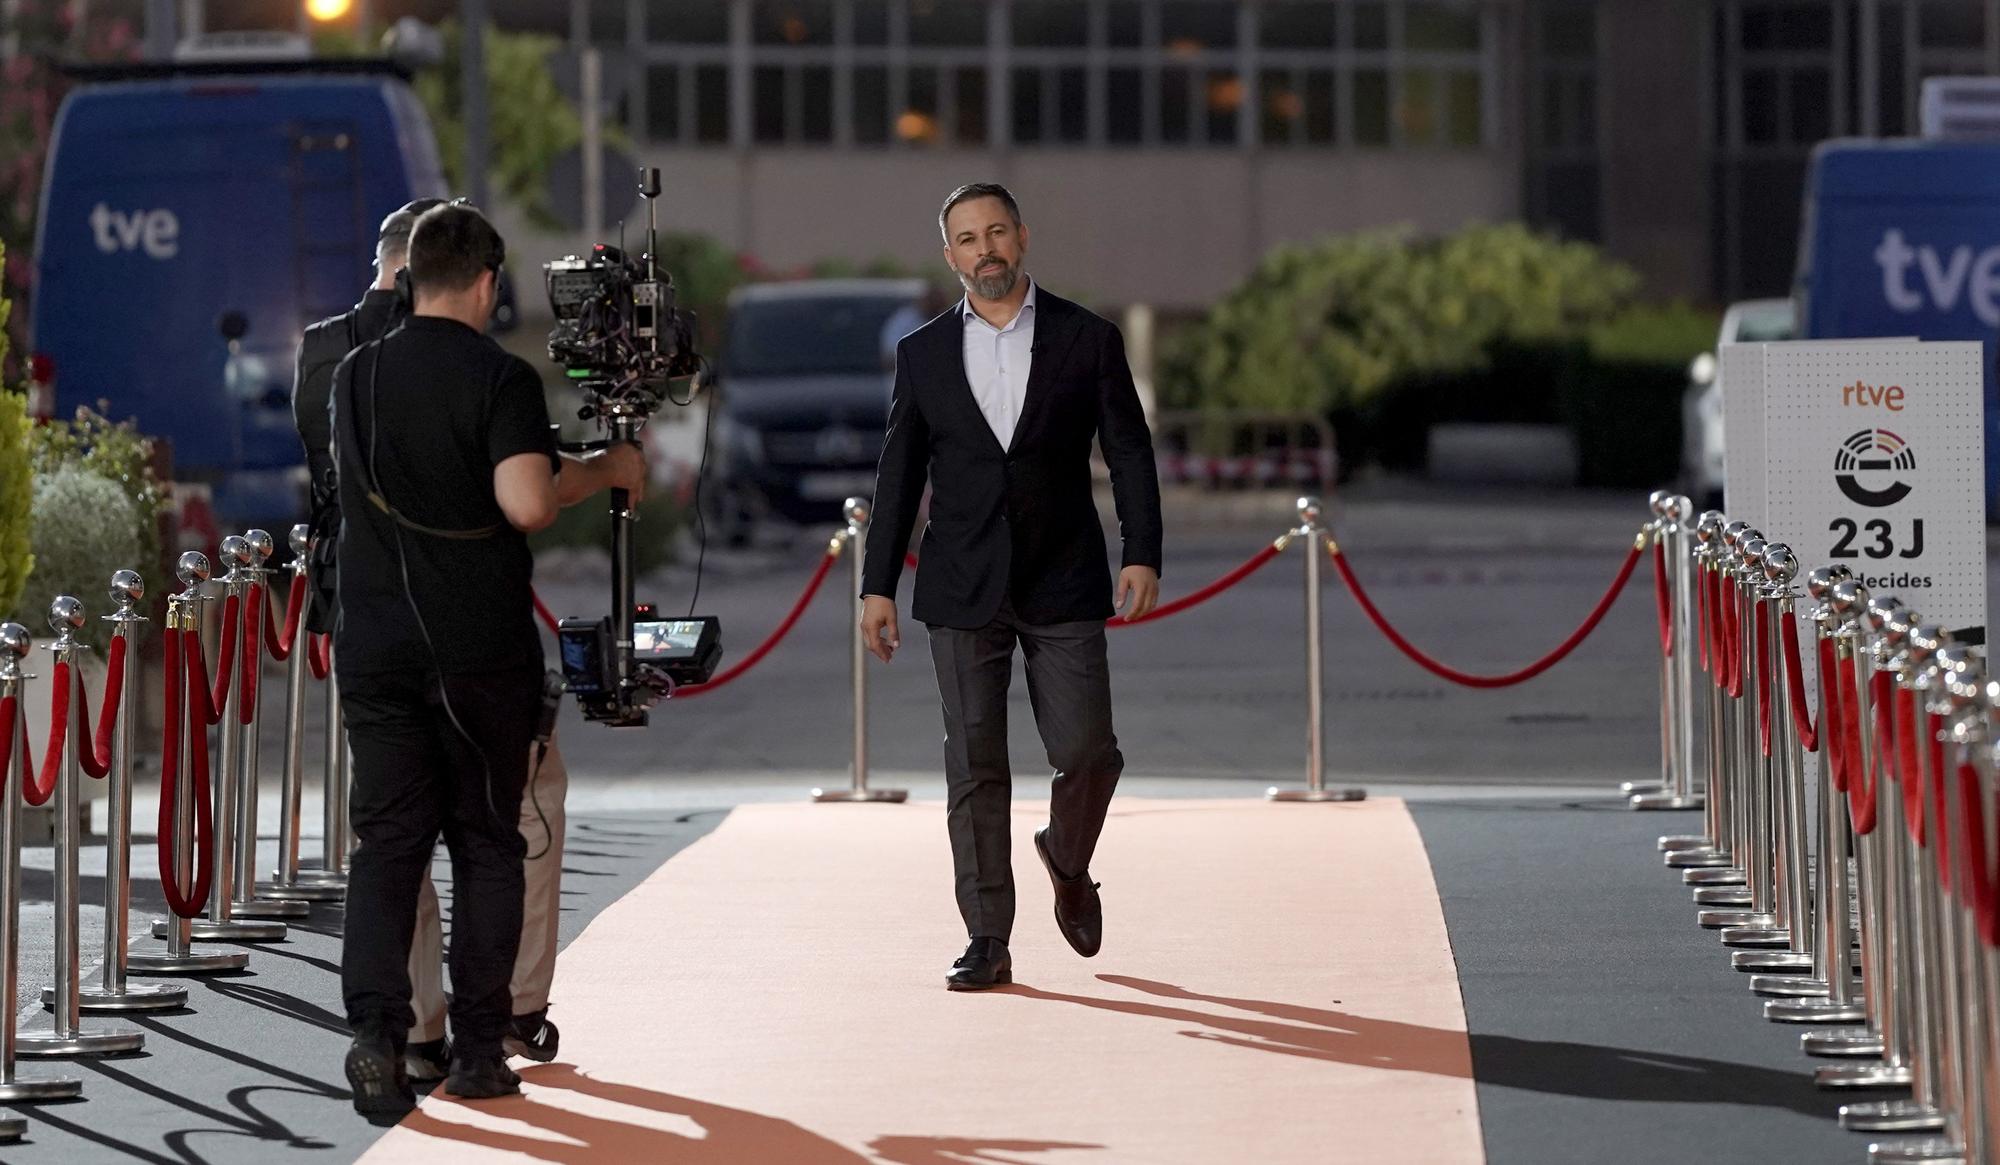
1701	541
288	882
1714	869
850	539
1313	533
112	993
14	646
1677	674
1758	924
222	925
1831	979
179	957
1795	912
245	902
67	1036
1658	503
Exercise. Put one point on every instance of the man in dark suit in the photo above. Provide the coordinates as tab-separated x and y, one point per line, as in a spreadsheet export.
996	402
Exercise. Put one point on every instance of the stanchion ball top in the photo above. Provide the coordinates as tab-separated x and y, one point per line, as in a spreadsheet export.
1310	511
856	510
235	551
1712	522
1819	581
1897	624
1680	507
127	588
15	642
1751	548
1926	639
1846	595
301	536
193	568
1880	607
1733	533
1657	502
66	612
1779	564
261	544
1965	685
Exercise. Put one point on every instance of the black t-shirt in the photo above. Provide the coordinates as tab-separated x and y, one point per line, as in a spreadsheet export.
453	405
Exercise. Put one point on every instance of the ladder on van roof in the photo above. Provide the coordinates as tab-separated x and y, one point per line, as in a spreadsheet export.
331	240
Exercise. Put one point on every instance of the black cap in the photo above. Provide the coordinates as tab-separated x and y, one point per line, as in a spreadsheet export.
400	222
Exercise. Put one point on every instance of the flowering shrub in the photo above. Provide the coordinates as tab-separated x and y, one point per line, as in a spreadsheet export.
85	527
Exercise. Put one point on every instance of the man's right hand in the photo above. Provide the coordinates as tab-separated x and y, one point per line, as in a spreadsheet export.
624	467
878	627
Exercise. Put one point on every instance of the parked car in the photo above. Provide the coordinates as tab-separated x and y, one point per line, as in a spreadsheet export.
1750	322
803	398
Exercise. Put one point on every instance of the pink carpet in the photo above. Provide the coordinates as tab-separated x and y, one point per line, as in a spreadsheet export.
1276	986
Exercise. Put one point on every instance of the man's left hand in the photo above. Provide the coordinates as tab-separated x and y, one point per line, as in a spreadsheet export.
1140	584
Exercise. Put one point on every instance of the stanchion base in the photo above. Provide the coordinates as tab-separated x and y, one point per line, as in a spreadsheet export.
1634	788
1698	860
1820	1010
300	892
1890	1116
1771	962
323	878
1276	794
163	963
1718	919
1667	801
12	1129
115	1041
881	796
1713	876
264	908
40	1088
1729	897
1787	987
1681	843
135	997
1931	1149
1756	935
208	931
1845	1042
1858	1076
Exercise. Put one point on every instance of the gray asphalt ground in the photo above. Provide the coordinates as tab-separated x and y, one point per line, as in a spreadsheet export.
1576	954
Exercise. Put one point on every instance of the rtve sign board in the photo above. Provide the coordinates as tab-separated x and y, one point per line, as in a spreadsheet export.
1869	453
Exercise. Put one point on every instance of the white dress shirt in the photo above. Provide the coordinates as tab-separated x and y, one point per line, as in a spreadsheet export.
996	364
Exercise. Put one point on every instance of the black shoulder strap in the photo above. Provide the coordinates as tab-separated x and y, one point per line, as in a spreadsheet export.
366	460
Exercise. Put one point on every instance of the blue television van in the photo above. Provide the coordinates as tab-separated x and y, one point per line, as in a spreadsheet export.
1902	238
183	203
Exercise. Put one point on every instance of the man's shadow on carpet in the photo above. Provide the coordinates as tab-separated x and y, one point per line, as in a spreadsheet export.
731	1136
1589	1071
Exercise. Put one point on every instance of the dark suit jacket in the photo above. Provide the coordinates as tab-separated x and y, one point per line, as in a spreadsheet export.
323	347
1016	522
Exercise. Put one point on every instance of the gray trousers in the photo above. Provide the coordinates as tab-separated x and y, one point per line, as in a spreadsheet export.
1069	687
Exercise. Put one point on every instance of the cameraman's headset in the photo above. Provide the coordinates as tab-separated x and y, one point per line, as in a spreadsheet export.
406	297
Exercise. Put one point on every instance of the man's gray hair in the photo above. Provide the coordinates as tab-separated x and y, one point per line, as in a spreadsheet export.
973	190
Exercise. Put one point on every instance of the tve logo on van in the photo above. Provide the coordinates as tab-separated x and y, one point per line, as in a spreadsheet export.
1942	278
157	232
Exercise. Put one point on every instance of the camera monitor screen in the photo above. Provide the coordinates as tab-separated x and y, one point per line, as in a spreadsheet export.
673	639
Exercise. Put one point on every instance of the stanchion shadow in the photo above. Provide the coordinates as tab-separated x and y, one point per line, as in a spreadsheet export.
1558	1067
280	1003
963	1150
328	965
181	1035
730	1136
246	1121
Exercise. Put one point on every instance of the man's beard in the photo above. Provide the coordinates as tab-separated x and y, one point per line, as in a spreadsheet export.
994	285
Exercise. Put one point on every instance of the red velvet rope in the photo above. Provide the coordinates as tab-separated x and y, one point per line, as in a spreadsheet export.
1978	861
319	654
1906	764
1465	678
96	757
253	655
1864	775
1663	602
1833	721
1795	684
1206	593
220	694
36	790
10	724
185	706
1763	621
280	644
1733	640
543	613
1701	604
909	562
1934	724
771	640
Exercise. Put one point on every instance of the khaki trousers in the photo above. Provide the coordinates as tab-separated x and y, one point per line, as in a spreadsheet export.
535	965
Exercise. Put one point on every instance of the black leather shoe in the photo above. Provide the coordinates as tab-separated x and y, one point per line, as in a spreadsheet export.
382	1091
484	1077
1079	913
984	965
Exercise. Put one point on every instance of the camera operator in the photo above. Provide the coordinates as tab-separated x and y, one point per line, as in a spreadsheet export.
445	462
427	1055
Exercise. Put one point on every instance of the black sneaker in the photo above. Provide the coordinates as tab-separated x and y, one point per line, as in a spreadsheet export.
382	1090
428	1062
482	1078
532	1036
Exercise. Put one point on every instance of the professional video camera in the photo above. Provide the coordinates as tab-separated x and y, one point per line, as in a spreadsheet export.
622	341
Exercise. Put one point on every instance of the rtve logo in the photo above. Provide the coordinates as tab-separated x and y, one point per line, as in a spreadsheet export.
157	232
1863	396
1942	280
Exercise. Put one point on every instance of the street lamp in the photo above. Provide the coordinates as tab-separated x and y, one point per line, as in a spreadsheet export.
326	11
